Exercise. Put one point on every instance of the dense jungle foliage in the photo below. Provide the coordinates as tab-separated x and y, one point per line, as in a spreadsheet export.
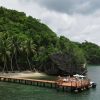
91	51
28	44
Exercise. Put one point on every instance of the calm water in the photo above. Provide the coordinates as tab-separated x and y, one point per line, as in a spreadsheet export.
9	91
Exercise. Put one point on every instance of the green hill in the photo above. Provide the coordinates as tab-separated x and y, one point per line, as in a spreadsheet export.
28	44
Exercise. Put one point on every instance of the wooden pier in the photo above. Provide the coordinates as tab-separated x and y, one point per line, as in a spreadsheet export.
64	86
34	82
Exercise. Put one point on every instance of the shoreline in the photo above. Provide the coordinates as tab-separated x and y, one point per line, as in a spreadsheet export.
24	74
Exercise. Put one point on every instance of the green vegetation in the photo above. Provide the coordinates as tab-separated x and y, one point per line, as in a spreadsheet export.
28	44
91	51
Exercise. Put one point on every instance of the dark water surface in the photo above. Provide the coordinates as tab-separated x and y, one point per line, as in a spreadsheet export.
9	91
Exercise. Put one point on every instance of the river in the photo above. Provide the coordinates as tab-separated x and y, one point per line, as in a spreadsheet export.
9	91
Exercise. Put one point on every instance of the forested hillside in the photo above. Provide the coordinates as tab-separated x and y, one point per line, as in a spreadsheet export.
91	51
28	44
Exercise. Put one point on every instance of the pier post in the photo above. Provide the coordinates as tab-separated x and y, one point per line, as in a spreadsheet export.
51	85
44	84
55	85
63	88
37	83
25	82
31	83
57	88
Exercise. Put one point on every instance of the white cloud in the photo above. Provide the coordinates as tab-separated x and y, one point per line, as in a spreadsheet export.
71	6
77	27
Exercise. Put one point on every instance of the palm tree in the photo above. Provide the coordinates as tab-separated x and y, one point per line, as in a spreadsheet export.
4	50
14	50
29	49
11	46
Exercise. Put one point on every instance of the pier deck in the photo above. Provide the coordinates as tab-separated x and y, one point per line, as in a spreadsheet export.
73	85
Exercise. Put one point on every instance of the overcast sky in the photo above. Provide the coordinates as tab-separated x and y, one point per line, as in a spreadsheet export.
79	20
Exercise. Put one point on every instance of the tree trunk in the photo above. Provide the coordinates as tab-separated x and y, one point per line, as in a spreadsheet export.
16	62
5	65
29	63
11	64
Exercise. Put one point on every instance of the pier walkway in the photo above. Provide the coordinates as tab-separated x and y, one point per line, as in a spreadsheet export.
59	85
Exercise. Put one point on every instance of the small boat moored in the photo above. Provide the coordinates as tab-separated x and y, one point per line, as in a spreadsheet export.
93	84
